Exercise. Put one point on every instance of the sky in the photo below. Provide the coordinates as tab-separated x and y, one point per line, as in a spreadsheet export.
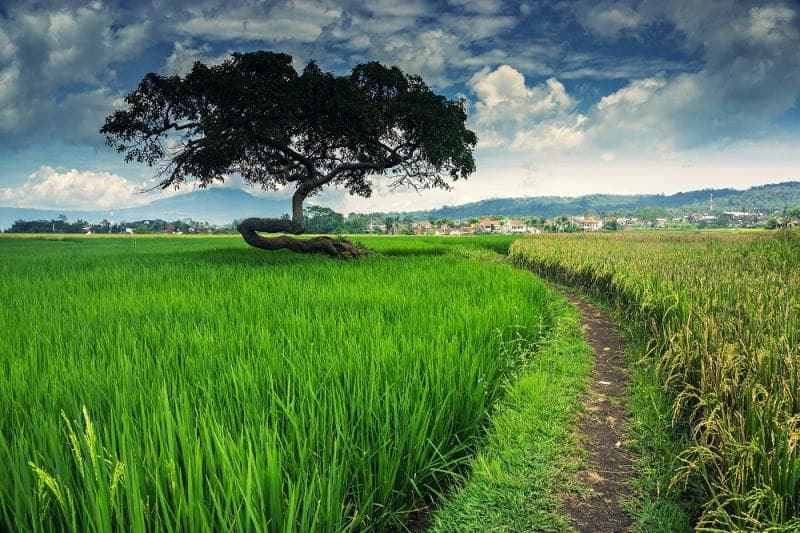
567	97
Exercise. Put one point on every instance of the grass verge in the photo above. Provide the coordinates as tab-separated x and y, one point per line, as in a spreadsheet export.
517	476
658	505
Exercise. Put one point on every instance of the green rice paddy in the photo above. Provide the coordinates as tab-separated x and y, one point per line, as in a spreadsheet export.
197	384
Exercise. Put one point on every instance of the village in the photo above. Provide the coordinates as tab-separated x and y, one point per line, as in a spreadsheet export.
589	223
330	222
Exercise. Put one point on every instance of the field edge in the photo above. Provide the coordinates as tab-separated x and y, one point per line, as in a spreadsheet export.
515	479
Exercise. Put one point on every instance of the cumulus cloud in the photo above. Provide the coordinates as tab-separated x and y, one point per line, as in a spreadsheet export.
748	77
71	189
630	110
60	58
557	134
510	113
425	53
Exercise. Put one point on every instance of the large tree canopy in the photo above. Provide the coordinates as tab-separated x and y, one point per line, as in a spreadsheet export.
254	115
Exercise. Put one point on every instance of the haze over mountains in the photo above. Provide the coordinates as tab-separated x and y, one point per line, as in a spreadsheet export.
223	205
216	206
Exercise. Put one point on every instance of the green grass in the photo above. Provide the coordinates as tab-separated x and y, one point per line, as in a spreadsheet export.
658	504
517	477
720	315
197	384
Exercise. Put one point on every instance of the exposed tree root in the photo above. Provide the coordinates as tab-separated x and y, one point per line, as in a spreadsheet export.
340	248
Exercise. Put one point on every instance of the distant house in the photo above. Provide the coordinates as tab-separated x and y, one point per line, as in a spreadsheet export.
492	226
422	228
514	226
169	228
443	229
591	224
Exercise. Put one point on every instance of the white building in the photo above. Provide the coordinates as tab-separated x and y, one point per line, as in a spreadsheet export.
591	224
490	226
514	226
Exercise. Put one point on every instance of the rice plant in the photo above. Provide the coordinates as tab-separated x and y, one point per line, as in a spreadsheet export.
722	315
194	384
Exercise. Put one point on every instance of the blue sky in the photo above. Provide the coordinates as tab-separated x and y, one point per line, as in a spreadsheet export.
566	97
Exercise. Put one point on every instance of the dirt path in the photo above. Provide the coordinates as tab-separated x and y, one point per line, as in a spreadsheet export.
601	430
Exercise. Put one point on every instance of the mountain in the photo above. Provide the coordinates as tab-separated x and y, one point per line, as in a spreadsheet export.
216	206
763	199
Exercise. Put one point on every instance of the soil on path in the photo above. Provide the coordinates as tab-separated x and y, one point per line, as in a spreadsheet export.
601	430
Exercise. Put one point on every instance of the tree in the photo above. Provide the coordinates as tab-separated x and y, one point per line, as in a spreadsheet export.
256	116
323	220
356	223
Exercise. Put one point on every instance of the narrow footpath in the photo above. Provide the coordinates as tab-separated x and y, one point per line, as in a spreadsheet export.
601	430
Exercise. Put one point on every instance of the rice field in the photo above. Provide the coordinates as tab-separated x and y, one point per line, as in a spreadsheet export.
721	312
197	384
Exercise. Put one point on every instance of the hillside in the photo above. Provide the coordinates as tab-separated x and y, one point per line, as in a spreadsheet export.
221	206
764	199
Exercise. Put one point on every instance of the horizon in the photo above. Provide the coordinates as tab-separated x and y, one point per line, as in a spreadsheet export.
594	97
441	207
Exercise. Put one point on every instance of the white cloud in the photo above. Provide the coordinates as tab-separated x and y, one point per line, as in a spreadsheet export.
771	24
509	113
7	48
72	189
558	134
609	19
293	20
185	54
392	8
280	29
478	26
750	76
61	58
635	93
516	174
426	54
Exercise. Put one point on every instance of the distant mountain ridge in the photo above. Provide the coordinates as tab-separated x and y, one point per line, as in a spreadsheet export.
762	198
216	206
223	205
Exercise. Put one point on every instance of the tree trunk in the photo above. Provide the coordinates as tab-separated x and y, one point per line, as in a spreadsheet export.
250	227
